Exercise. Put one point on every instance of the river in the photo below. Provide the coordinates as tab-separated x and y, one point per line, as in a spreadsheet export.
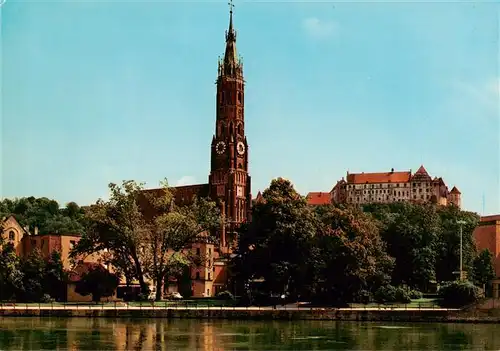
27	333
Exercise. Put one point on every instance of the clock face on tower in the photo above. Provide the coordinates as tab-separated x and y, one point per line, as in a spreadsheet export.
240	148
220	147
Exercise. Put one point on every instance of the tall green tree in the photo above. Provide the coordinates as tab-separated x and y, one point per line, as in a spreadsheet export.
11	277
448	248
275	245
142	232
55	278
411	232
483	270
352	259
33	269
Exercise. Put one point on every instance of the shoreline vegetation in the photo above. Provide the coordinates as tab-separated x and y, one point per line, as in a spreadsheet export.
288	251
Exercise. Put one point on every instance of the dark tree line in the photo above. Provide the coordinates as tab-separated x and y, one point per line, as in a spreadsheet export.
338	254
45	214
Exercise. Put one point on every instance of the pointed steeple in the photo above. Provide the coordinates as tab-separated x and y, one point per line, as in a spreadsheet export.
231	64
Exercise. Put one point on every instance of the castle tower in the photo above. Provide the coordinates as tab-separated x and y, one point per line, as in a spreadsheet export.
229	181
455	197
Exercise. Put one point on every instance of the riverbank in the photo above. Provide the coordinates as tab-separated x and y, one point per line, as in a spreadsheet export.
373	315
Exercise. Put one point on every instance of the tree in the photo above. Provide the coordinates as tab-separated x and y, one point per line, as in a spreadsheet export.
275	245
33	269
411	232
172	230
98	282
448	248
146	233
483	270
11	277
55	277
119	226
352	260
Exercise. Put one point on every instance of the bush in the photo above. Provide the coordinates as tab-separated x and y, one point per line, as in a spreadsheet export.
458	293
391	294
225	295
415	294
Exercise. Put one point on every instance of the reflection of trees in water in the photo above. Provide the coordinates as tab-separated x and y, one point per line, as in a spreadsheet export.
161	334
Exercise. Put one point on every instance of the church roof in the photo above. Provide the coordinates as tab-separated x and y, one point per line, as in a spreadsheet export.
318	198
454	190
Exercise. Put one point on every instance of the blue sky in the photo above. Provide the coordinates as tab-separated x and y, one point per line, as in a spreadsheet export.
97	92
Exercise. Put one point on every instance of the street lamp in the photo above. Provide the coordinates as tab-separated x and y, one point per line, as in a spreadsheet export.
461	223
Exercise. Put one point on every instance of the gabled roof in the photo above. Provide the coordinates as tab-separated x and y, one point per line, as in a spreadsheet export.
318	198
421	175
16	223
372	178
454	190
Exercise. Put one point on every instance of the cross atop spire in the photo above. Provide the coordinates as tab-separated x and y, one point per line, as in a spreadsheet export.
230	65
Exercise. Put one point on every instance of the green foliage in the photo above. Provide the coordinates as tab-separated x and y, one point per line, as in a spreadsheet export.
98	282
425	240
33	269
458	293
352	256
55	277
392	294
483	270
138	229
11	277
276	244
44	214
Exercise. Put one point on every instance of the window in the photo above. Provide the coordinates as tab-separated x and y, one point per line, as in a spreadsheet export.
209	276
209	251
197	275
208	292
12	235
198	251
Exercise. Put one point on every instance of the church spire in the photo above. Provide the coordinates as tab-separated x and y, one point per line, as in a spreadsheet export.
231	64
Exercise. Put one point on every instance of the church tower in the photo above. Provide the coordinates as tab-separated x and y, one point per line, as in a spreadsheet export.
229	181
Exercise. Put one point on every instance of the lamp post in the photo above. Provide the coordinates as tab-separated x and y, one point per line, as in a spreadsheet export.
461	223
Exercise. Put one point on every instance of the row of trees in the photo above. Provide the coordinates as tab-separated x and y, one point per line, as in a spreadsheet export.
45	214
336	254
31	278
332	254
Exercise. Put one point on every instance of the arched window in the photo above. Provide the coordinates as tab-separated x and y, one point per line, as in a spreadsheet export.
12	235
240	129
239	96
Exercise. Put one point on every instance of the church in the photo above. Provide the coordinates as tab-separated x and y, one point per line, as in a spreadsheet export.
229	180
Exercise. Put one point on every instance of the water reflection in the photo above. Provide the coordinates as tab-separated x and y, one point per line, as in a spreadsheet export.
160	334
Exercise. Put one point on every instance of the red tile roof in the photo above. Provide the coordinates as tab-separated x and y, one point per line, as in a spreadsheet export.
318	198
386	177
